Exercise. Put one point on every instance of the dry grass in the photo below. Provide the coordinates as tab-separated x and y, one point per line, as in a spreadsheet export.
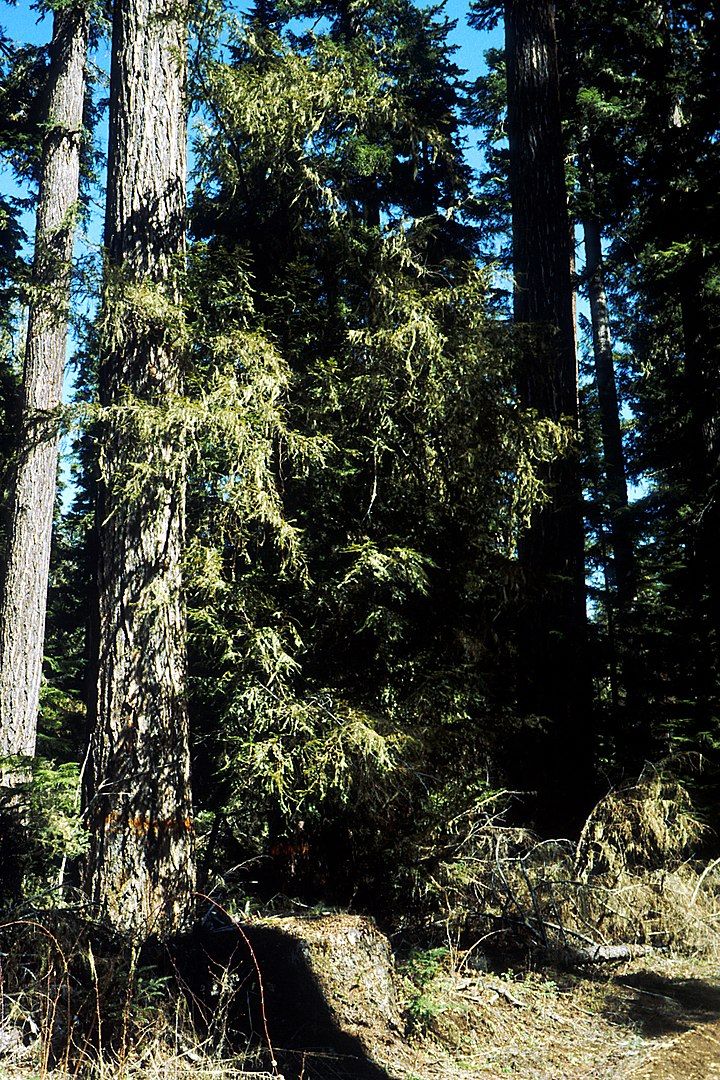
636	875
76	1004
533	1026
542	1025
633	878
161	1066
76	1001
549	1025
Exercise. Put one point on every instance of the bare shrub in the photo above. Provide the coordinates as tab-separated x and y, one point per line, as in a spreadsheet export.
633	877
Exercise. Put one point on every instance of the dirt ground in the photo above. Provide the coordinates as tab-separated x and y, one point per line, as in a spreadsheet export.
642	1021
652	1019
683	1016
694	1055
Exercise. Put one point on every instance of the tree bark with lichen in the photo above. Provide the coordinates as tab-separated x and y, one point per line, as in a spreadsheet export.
138	803
24	596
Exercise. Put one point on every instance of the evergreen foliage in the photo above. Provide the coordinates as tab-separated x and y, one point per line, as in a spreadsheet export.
344	667
362	466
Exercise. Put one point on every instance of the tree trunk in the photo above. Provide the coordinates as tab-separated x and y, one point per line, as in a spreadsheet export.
140	870
613	452
22	612
554	680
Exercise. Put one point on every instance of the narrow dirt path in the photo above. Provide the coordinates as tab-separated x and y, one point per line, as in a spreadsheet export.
682	1016
694	1055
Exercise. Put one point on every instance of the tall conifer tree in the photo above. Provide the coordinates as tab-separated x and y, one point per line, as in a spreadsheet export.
22	611
610	424
141	862
552	640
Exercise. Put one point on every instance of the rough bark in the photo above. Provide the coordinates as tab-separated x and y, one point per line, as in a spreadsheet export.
22	612
613	452
140	871
554	681
316	995
605	954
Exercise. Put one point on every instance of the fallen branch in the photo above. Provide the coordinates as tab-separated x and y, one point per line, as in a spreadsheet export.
506	995
708	869
594	953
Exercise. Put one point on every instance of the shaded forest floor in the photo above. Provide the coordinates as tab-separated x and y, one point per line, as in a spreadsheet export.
655	1018
650	1019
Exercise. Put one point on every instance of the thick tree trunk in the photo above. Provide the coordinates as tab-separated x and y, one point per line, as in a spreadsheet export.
141	862
22	612
554	677
613	452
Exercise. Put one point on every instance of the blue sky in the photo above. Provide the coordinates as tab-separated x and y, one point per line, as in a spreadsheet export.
471	43
22	23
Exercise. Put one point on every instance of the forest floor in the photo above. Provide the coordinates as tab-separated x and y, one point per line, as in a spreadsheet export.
650	1019
655	1018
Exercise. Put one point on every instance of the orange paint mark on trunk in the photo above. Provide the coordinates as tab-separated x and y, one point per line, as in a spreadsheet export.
143	826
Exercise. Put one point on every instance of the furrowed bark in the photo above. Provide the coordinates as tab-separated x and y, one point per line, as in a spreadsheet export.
554	680
24	599
140	870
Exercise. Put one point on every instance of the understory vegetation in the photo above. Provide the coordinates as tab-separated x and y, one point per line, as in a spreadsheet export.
381	567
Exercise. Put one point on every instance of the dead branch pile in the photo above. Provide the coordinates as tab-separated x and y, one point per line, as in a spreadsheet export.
632	883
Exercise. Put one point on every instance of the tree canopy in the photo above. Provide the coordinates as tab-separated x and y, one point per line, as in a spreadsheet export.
393	465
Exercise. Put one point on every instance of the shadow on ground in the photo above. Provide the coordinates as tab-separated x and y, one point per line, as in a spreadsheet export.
281	1015
655	1005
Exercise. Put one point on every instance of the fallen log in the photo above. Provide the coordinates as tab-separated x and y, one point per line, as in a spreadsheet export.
605	954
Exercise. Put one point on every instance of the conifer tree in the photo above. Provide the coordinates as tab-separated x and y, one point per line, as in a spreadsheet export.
591	208
348	214
140	872
672	225
642	77
554	675
23	605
